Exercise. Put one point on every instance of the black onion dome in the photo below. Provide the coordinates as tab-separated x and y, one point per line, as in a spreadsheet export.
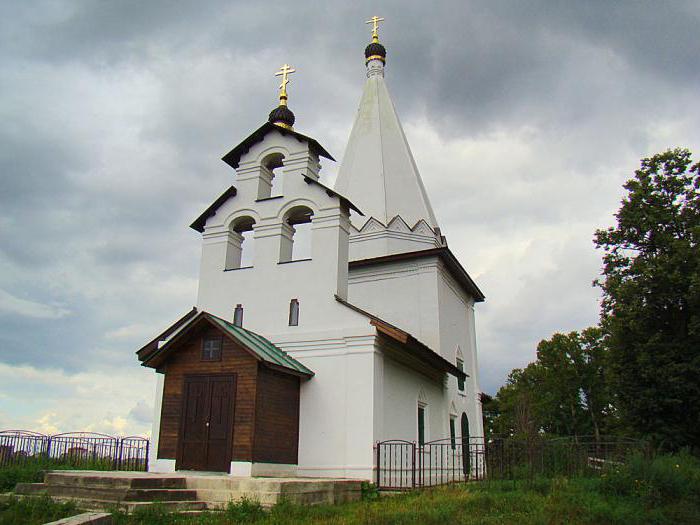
282	115
375	49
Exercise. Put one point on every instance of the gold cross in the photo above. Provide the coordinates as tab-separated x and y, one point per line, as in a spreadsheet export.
375	26
285	71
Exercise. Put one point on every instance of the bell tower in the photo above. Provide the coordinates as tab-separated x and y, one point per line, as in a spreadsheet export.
267	243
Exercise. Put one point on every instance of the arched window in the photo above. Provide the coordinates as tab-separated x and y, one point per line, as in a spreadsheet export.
294	312
422	417
270	184
241	245
238	315
296	237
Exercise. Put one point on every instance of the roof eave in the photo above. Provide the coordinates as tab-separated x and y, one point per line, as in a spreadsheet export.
152	346
423	352
201	221
332	193
455	267
233	157
420	351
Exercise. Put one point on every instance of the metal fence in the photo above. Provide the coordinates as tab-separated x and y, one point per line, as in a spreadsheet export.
405	465
80	450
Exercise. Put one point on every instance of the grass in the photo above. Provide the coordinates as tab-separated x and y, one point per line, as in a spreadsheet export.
665	490
34	511
32	470
578	501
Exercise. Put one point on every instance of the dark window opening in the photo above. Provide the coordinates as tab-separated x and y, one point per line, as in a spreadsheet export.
241	251
238	315
453	436
421	426
270	183
294	312
460	380
211	348
296	245
466	451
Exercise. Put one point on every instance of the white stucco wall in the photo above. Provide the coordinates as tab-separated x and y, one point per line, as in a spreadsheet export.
457	330
421	297
402	389
404	293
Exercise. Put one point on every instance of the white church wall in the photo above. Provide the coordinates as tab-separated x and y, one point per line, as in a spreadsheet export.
423	299
457	330
403	389
403	293
155	464
336	411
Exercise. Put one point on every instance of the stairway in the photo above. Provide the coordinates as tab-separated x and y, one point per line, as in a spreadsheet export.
127	490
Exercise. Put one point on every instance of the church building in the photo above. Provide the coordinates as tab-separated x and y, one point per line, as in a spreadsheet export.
327	319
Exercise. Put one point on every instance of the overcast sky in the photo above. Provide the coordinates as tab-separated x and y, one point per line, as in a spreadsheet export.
525	119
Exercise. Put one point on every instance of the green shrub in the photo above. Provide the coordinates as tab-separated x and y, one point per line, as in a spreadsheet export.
155	514
369	490
659	481
31	511
244	511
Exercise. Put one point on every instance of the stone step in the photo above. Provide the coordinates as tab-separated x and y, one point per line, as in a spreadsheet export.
161	495
27	489
120	494
130	506
123	481
158	483
87	518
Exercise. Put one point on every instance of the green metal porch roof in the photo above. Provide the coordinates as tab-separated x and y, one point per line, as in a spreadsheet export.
154	352
261	346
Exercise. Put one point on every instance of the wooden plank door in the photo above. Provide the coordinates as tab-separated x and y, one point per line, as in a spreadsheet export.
220	423
207	423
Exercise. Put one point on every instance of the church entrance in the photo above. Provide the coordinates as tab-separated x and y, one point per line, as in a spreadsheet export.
207	423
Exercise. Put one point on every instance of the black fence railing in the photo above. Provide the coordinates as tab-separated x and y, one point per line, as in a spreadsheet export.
405	465
80	450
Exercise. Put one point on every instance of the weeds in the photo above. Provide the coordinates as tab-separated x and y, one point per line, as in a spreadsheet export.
34	511
32	470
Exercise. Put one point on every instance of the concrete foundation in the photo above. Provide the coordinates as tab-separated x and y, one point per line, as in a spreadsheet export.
96	490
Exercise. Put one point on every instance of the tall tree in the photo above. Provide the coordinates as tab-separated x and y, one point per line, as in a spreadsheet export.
564	392
651	299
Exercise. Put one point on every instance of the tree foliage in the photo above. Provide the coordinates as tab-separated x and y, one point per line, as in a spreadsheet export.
564	392
651	300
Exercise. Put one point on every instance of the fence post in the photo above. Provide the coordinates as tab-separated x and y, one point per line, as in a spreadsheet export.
120	445
379	476
148	448
413	464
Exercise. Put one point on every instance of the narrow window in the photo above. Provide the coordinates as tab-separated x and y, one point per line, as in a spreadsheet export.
421	426
460	380
238	315
211	348
294	312
453	436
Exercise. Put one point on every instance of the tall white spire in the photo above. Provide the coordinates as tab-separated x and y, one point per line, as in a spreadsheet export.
378	172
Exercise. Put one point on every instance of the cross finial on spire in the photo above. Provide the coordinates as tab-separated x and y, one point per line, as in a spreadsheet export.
284	72
375	27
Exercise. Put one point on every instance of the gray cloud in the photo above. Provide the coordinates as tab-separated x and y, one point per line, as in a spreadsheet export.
525	118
